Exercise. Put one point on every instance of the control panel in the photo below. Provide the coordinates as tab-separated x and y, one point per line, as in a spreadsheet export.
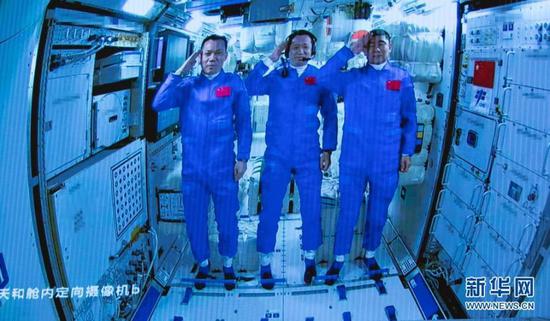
486	36
126	276
528	28
531	33
82	36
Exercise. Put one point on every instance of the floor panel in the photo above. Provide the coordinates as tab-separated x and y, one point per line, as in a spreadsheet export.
290	301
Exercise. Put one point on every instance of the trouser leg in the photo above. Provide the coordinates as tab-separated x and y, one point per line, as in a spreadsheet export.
308	179
195	204
381	190
224	191
274	182
352	189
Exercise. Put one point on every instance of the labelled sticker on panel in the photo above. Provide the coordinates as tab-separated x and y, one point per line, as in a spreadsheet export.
170	205
514	191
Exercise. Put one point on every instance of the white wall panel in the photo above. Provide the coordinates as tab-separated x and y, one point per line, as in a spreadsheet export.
512	223
93	223
523	187
19	35
473	139
457	213
525	146
463	184
449	238
499	255
528	106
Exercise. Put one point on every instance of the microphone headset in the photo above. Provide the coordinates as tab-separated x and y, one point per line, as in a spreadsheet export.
301	33
288	41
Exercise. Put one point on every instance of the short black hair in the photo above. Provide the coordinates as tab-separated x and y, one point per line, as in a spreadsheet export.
215	38
380	32
302	32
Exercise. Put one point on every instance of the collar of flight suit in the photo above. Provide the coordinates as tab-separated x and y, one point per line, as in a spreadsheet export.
214	77
306	71
386	66
299	70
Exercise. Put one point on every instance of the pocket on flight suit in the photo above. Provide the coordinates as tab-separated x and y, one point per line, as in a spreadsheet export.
222	127
391	125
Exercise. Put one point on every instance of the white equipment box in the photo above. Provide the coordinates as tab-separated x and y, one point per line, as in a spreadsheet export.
110	118
120	66
67	114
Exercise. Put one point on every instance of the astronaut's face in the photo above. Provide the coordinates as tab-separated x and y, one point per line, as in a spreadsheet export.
300	50
378	49
213	55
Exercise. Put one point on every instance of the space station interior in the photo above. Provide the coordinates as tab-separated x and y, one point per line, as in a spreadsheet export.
92	222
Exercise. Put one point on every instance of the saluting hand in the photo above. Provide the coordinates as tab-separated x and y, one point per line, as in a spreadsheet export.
365	39
278	51
356	47
188	65
359	45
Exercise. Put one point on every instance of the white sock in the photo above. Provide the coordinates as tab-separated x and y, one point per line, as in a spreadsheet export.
310	255
369	254
227	261
339	258
265	258
204	263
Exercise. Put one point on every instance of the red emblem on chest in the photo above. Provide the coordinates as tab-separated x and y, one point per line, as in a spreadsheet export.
393	84
310	80
224	91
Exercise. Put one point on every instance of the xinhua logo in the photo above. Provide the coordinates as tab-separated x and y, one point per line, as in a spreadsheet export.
500	287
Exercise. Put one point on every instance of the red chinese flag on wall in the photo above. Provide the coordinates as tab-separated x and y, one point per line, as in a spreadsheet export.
484	74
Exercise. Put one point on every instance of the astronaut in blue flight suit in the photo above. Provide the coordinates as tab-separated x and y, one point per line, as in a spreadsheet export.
213	107
292	140
378	140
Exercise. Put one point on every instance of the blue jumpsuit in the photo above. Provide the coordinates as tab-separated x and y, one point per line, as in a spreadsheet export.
211	112
379	126
292	141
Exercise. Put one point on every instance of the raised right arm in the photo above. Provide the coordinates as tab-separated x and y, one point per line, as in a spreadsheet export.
256	83
172	93
331	76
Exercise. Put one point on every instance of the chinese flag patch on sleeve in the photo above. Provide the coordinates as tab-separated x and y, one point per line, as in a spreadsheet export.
393	84
224	91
